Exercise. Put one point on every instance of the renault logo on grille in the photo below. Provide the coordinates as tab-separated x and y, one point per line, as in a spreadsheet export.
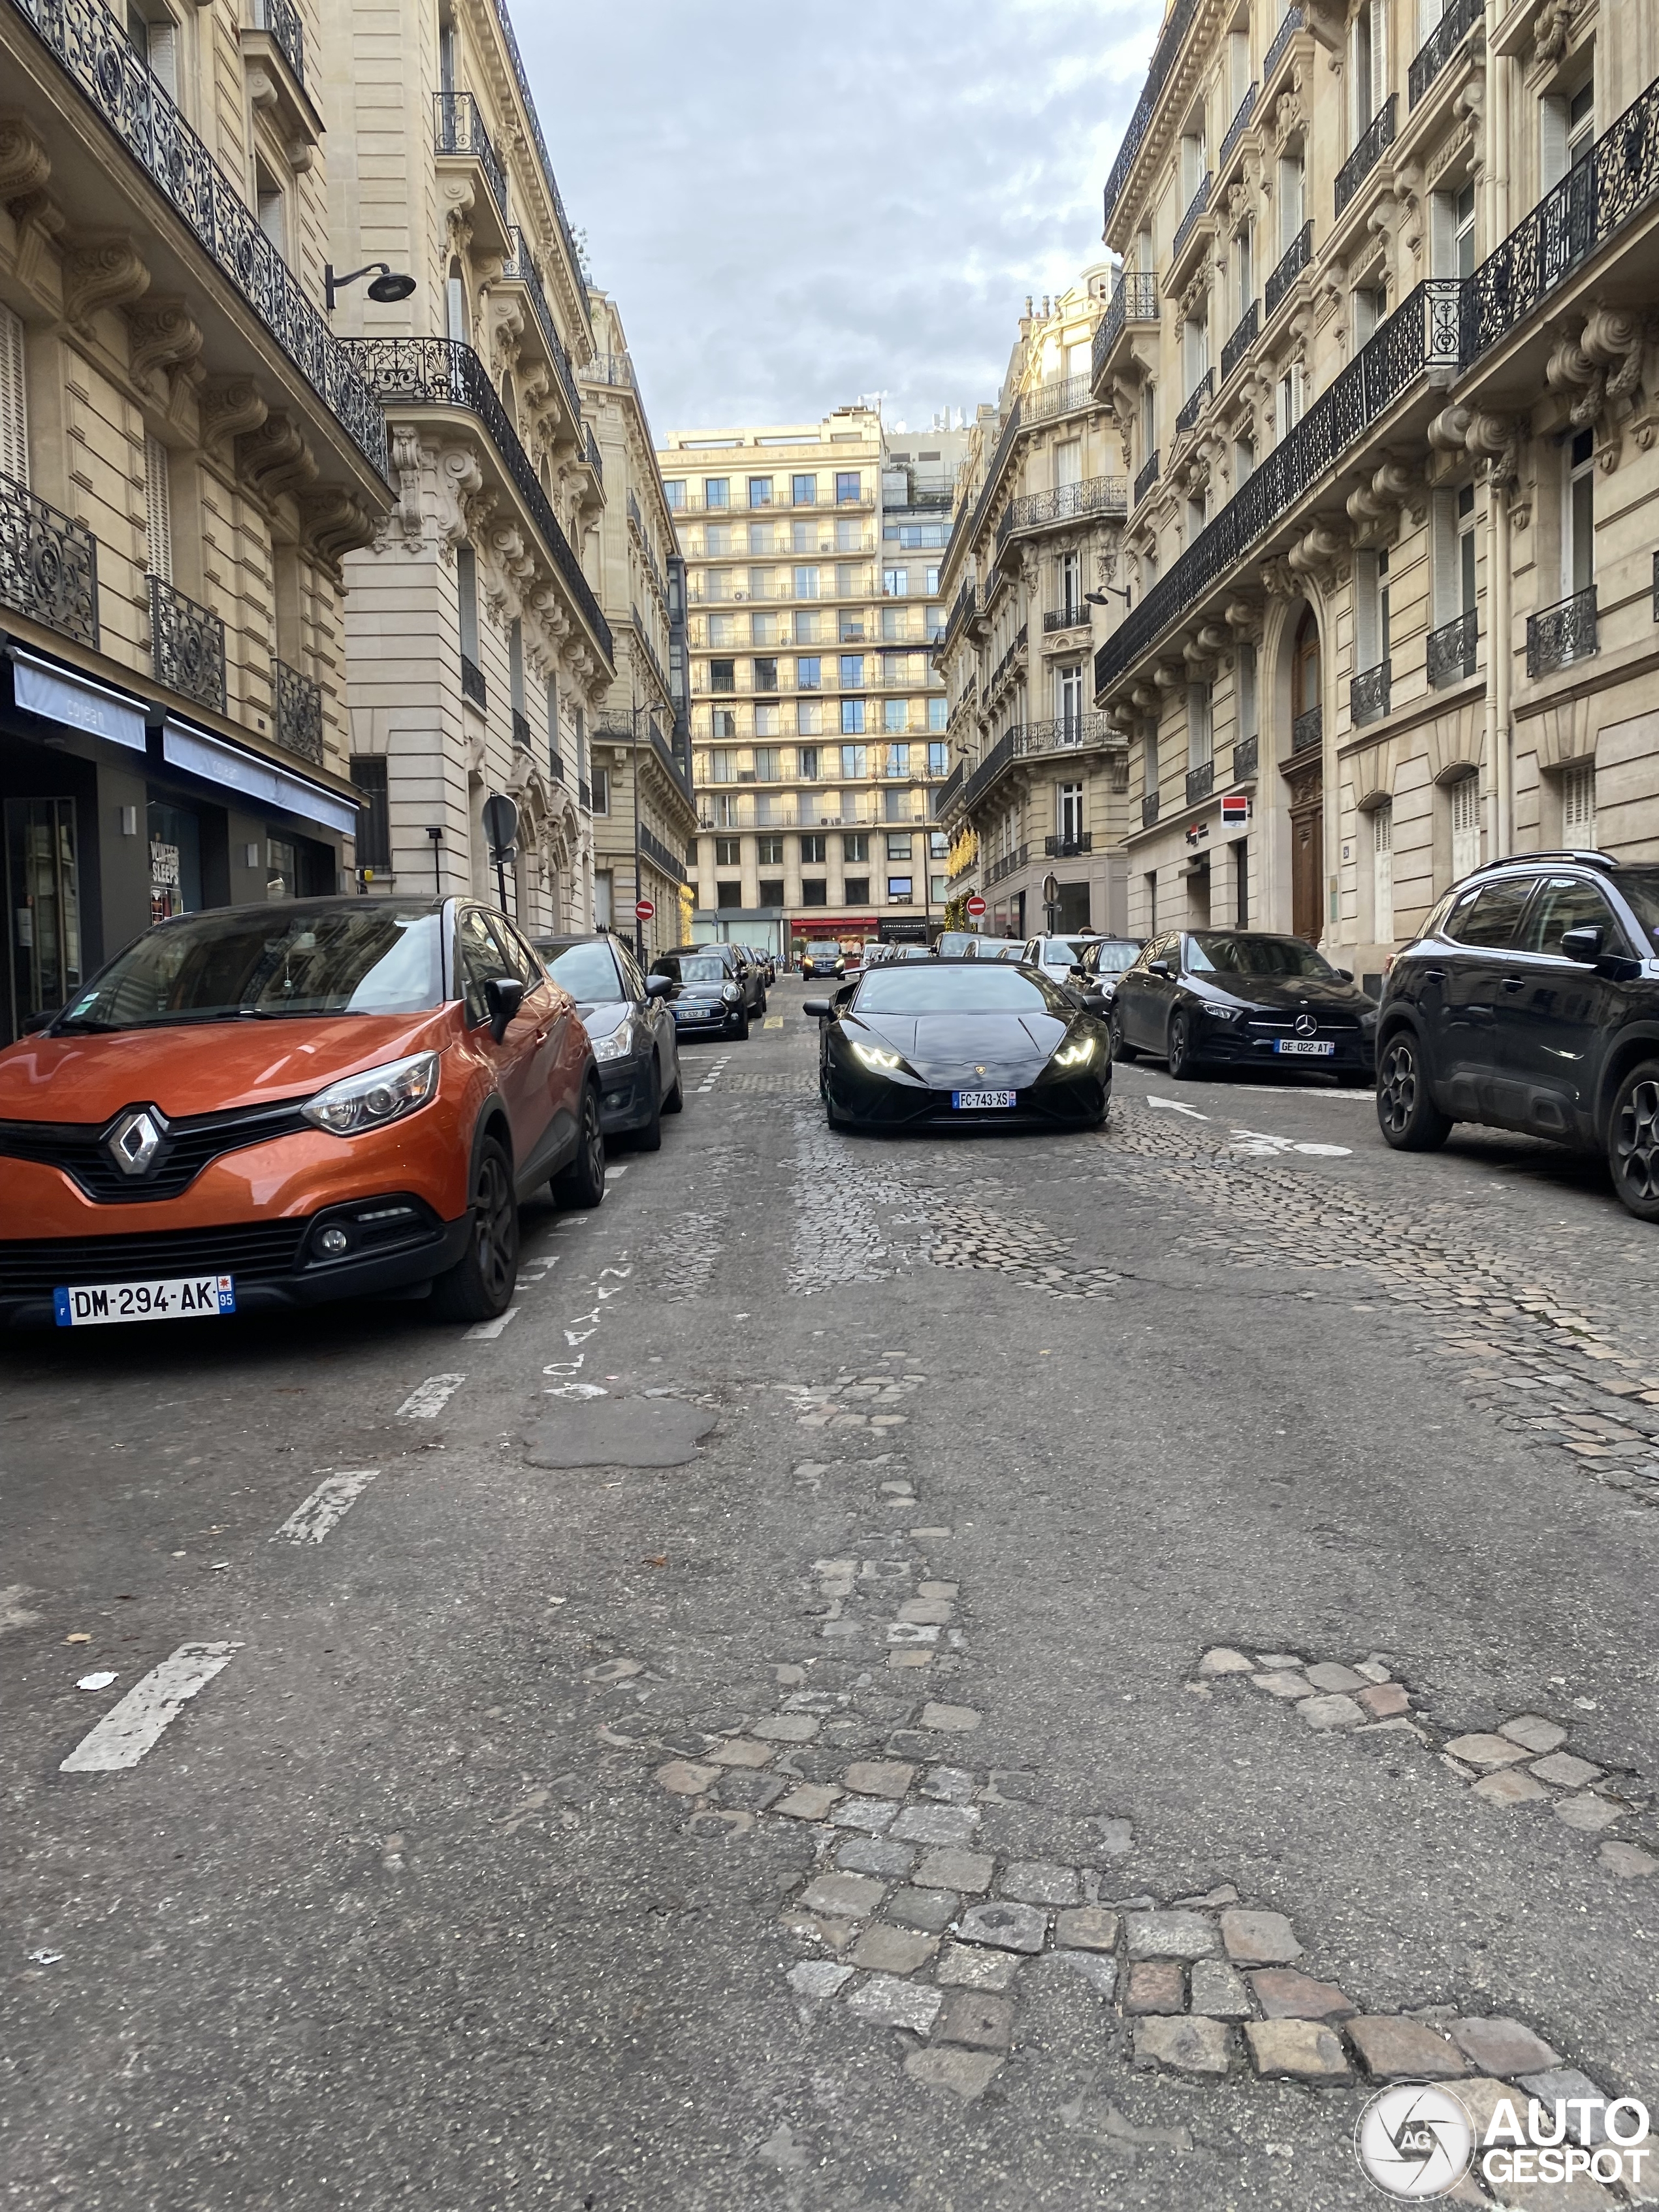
136	1139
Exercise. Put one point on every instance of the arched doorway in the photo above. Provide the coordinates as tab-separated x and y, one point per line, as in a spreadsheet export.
1304	773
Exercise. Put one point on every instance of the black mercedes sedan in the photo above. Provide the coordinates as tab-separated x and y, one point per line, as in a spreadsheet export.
962	1044
1241	998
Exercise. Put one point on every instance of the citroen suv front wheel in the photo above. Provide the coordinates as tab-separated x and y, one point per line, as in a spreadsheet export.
1634	1140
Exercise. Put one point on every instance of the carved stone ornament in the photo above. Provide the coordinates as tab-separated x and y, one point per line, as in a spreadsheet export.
163	334
410	461
334	523
1551	32
275	458
231	406
102	272
1276	580
1321	553
1243	617
25	164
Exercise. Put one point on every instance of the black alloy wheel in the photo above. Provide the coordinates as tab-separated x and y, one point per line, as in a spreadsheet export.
1121	1049
740	1023
1633	1141
480	1285
580	1186
1183	1061
1406	1113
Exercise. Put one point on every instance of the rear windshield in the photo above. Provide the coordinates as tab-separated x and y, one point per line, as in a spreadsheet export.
269	960
1255	956
586	971
975	988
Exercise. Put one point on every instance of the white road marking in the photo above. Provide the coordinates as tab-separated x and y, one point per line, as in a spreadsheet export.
427	1400
331	1500
1174	1106
1296	1090
134	1726
487	1331
610	1174
1261	1146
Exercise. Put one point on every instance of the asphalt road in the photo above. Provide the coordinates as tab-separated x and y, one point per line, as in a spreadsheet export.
530	1836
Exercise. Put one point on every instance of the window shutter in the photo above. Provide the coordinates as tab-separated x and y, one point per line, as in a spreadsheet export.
1578	803
1552	141
14	413
158	509
163	57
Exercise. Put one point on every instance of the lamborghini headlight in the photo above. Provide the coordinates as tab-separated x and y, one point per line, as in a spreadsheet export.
872	1055
1076	1055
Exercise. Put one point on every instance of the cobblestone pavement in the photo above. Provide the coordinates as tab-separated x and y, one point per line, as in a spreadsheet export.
1153	1641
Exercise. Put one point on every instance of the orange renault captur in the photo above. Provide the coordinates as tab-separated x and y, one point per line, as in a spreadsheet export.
268	1107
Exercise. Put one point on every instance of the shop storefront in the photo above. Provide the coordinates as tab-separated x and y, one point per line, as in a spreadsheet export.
116	815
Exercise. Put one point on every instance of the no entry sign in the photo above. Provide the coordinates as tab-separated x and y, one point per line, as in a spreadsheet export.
643	909
976	906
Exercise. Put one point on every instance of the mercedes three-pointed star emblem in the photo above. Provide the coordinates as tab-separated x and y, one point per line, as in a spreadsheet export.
1305	1024
136	1139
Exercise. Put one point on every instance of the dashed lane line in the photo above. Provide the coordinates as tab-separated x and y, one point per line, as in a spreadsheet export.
427	1400
134	1726
331	1500
486	1331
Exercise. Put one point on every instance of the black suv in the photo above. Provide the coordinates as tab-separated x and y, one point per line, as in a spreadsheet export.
1531	999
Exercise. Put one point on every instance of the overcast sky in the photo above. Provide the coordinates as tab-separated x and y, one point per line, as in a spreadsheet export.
799	206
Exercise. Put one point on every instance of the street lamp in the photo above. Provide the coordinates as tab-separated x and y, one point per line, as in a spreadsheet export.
436	832
1107	591
387	289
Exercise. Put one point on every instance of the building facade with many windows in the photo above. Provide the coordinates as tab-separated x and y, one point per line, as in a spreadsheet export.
187	454
1038	775
1382	349
817	722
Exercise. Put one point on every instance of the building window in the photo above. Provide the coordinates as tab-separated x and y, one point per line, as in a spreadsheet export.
804	491
814	851
814	892
1068	812
1069	577
932	582
728	895
898	758
717	491
895	583
1578	533
771	890
14	409
1567	123
466	595
723	723
725	811
368	773
729	852
158	507
806	584
809	672
898	848
937	713
894	716
855	848
1200	742
604	902
1578	806
768	852
722	766
938	756
807	764
1248	722
1382	874
857	891
899	891
1370	610
809	717
268	208
765	674
722	675
850	486
1465	826
760	491
806	626
1069	700
852	720
851	673
766	721
673	491
601	787
767	761
853	769
762	629
156	44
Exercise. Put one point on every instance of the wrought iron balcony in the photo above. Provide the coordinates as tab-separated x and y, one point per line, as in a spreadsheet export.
460	130
520	268
1068	733
1282	43
556	763
1236	129
48	564
1419	339
521	76
1197	207
1562	632
441	372
1308	731
1442	43
1242	339
1148	809
1368	695
186	646
1068	848
947	791
1009	864
1162	61
1247	756
583	796
299	712
1291	262
472	683
1450	651
1194	404
1062	618
1200	782
666	862
1061	395
1008	660
521	735
87	38
1135	300
281	19
1146	479
1095	495
1599	195
1378	133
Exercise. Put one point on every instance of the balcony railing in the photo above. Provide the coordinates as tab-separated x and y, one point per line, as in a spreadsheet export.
1442	43
1194	404
1282	43
1095	495
299	704
48	564
87	38
666	862
584	796
1061	618
1068	848
442	372
1148	809
472	683
1236	127
1308	731
1068	733
521	731
1009	864
1598	196
281	19
1200	782
520	268
1419	337
556	763
946	791
458	128
1146	479
595	460
1162	61
1245	760
1378	134
186	646
509	39
1291	262
1197	207
1562	632
1135	300
1008	660
1242	339
1061	395
1449	652
1368	693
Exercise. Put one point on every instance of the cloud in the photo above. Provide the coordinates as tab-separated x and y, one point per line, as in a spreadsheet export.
794	208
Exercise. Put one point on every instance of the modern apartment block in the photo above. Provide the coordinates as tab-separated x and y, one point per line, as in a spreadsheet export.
1382	350
644	816
817	722
186	457
1038	781
478	649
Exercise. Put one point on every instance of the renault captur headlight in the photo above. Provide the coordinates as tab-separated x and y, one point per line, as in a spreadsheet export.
1076	1055
614	1046
378	1096
873	1055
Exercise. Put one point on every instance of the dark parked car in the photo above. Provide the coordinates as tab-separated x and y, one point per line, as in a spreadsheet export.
961	1044
1103	961
1531	999
631	1029
821	960
706	994
1236	998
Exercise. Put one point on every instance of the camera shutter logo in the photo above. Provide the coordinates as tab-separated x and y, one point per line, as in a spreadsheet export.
1414	2140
